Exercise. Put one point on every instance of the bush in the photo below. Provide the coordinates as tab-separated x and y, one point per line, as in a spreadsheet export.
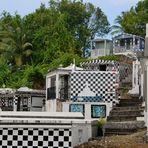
101	123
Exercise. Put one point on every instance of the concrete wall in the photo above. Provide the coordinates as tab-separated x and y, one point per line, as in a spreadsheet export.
44	129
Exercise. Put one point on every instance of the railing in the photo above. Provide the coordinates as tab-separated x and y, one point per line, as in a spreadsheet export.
120	49
51	93
100	52
65	92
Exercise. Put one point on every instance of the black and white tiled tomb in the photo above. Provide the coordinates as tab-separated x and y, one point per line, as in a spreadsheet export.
35	138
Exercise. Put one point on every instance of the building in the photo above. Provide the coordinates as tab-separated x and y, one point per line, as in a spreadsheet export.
22	99
90	89
122	44
101	47
128	44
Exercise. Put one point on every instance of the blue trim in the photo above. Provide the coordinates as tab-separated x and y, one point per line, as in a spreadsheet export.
87	98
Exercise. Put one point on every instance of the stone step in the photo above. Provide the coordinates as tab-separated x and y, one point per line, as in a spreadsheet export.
119	132
123	118
124	125
122	128
121	104
126	112
128	108
131	99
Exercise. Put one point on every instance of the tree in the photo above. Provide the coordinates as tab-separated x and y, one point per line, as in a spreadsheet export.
13	42
65	26
116	28
47	37
134	20
84	21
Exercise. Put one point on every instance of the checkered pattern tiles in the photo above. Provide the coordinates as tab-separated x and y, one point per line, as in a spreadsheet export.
35	138
100	83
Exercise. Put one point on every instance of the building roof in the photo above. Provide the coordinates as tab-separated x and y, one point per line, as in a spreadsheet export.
23	91
71	67
99	40
126	35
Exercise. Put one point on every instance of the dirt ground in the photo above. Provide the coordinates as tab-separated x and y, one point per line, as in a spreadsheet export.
136	140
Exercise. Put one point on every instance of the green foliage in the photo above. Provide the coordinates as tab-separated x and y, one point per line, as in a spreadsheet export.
134	20
46	39
101	122
65	60
110	57
4	72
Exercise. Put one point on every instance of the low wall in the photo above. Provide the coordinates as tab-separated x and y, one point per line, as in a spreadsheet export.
44	129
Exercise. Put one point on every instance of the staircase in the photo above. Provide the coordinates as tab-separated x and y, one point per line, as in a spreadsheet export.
123	118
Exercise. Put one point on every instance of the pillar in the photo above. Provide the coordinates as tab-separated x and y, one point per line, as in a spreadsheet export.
136	73
145	90
133	75
49	103
105	47
125	45
15	100
57	92
133	42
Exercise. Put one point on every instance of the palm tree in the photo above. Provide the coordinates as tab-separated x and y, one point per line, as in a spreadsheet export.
13	42
117	28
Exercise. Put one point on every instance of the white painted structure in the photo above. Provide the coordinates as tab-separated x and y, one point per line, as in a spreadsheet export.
101	47
44	129
136	78
145	71
92	92
54	80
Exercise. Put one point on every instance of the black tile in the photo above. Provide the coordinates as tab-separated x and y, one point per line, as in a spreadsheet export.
61	133
9	142
30	132
50	143
10	132
60	143
25	137
45	138
35	138
4	137
40	143
30	143
19	143
50	133
55	138
66	138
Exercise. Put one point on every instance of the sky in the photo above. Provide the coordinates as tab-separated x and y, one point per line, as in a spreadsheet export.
112	8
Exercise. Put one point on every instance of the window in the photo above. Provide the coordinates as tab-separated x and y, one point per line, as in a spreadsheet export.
98	111
77	108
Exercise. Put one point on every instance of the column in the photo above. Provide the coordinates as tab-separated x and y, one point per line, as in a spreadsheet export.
145	91
15	100
57	92
48	102
133	42
105	48
130	44
133	75
136	72
125	45
114	46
